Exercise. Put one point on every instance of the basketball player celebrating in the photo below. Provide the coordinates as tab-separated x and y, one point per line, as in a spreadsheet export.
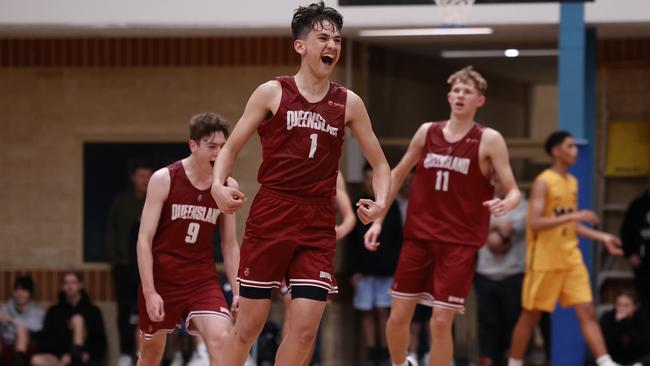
290	229
179	279
555	269
447	219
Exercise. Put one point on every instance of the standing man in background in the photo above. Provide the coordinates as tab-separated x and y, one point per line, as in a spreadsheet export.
635	233
123	220
372	276
498	279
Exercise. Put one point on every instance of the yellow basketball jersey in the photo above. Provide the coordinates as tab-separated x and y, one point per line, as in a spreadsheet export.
555	248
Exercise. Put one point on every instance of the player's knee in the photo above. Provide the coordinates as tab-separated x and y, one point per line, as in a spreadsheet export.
530	318
149	353
217	340
586	312
440	322
304	335
216	344
145	360
397	318
247	334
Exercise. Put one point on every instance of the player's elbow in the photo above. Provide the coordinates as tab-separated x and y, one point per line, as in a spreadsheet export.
143	245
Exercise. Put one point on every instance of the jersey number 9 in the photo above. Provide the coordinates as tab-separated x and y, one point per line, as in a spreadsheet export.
192	233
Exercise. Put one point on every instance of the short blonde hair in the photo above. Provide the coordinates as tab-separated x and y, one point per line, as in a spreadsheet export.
469	74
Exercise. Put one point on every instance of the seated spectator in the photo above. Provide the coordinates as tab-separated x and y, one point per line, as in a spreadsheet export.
627	331
73	332
20	318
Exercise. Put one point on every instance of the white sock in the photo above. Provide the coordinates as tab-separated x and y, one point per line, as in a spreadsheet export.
513	362
605	360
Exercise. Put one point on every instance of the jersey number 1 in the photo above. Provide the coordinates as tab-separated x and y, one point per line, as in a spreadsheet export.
192	233
442	180
314	144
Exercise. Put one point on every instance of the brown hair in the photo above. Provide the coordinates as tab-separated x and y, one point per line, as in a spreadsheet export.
630	294
307	18
205	124
467	74
77	274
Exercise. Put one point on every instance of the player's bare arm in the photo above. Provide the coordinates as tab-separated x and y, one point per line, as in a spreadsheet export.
357	118
263	102
611	242
494	150
157	192
537	203
230	247
397	176
345	208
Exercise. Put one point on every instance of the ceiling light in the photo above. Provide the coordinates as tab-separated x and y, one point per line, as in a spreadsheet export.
424	32
511	52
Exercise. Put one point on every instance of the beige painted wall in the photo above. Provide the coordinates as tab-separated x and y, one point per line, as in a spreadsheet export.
543	111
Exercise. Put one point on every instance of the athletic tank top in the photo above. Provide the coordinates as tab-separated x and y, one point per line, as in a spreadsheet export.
556	248
448	191
182	246
301	144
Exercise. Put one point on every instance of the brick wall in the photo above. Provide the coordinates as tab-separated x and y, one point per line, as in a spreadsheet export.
57	94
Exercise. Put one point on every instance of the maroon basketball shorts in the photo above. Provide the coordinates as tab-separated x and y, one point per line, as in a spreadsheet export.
183	303
437	274
292	239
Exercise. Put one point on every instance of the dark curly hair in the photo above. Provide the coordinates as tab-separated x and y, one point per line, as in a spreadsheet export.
305	19
555	139
204	124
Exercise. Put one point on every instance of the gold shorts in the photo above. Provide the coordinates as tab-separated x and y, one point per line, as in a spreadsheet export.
543	289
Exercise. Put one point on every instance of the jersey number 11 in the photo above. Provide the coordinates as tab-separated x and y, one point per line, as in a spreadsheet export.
442	180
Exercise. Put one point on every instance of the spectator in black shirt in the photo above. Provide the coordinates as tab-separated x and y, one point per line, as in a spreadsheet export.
627	332
635	234
372	275
73	332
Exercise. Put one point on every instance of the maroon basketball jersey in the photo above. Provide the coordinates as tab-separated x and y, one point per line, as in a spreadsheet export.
448	191
302	143
182	246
